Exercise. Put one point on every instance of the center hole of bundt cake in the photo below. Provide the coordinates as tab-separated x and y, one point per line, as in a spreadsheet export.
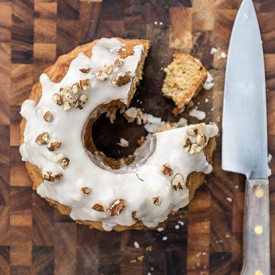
107	137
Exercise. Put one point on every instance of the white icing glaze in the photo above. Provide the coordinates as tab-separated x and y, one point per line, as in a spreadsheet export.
137	183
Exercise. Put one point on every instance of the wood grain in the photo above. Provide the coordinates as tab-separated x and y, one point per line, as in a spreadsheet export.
204	237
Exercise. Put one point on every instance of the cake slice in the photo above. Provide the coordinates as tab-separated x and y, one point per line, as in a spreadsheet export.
185	77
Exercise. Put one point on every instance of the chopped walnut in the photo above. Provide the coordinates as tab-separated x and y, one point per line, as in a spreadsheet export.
192	132
48	116
108	68
187	145
64	89
59	157
67	106
52	176
53	144
201	139
98	207
65	162
75	88
57	99
70	97
195	149
140	258
81	101
116	208
85	191
85	69
42	138
122	79
118	62
157	201
178	182
101	76
85	84
167	170
138	120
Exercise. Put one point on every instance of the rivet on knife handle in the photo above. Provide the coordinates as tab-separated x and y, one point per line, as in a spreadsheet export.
256	228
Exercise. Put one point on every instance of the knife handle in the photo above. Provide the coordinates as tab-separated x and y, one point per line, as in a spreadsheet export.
256	232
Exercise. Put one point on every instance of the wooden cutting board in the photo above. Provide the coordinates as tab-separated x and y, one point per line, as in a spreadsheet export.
204	237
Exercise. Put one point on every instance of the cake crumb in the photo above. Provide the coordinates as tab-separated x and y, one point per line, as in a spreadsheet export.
213	50
149	248
136	245
229	199
223	55
164	238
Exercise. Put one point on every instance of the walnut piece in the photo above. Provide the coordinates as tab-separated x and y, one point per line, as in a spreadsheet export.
65	162
140	258
108	68
52	176
118	62
81	101
195	149
67	106
85	69
192	132
42	138
75	88
48	116
57	99
70	97
59	157
167	170
98	207
178	182
84	191
187	145
53	144
85	84
64	89
101	76
116	208
201	139
122	79
157	201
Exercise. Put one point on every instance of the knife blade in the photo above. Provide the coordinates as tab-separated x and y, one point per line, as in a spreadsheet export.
244	134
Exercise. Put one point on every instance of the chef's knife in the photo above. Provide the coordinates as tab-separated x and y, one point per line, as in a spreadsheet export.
244	135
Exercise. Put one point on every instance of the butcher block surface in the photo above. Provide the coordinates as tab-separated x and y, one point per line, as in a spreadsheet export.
203	238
